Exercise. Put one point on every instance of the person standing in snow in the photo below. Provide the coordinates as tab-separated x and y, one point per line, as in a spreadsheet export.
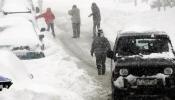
100	46
76	21
49	19
96	18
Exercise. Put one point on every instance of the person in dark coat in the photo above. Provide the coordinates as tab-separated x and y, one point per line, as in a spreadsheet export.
76	21
96	18
49	19
100	46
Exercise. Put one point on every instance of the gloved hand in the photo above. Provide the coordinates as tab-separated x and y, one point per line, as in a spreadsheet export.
92	54
90	15
5	13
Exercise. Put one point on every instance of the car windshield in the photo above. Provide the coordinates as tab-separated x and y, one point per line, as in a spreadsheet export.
128	46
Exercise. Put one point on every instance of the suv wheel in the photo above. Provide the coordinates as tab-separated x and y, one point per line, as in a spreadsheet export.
118	94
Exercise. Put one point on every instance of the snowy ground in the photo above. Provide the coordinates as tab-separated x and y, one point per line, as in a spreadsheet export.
68	72
56	77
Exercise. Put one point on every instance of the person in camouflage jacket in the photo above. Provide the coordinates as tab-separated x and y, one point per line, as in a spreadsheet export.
100	46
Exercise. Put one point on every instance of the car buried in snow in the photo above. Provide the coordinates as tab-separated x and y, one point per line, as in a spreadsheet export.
144	66
19	30
20	36
5	83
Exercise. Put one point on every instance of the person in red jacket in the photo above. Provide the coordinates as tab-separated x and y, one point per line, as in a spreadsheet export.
49	19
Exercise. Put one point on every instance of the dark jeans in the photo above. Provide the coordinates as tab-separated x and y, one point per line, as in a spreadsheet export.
51	25
100	62
96	26
76	29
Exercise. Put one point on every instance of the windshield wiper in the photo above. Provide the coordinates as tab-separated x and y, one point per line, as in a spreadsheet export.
6	13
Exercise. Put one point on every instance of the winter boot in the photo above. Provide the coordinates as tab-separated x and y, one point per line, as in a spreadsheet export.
53	33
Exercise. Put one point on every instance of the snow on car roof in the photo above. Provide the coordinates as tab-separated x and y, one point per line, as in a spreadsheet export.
17	31
134	33
136	30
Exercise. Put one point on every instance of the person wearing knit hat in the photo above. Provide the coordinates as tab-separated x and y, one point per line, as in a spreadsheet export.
99	47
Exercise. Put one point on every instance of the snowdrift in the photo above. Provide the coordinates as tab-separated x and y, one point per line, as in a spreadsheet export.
11	67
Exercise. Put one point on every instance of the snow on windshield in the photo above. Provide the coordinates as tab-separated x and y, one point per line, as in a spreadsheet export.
166	55
148	47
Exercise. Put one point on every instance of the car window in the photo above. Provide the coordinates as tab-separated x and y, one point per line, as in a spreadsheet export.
134	45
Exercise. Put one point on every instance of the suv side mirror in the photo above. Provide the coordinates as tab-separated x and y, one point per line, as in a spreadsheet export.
110	54
43	29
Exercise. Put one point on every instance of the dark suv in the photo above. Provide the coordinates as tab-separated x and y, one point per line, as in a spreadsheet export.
144	66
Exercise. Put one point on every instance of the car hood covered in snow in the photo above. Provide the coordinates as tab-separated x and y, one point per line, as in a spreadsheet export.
139	66
139	62
158	59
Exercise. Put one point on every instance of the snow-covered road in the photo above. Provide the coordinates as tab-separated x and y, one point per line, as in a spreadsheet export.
111	23
80	48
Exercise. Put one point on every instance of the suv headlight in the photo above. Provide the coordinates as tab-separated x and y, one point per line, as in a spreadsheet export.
123	72
168	71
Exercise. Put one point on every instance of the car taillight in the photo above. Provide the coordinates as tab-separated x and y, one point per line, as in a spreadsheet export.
168	71
123	72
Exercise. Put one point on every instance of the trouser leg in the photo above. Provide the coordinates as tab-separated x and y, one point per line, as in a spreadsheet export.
99	63
48	27
94	29
98	25
99	70
52	27
74	30
78	29
103	63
